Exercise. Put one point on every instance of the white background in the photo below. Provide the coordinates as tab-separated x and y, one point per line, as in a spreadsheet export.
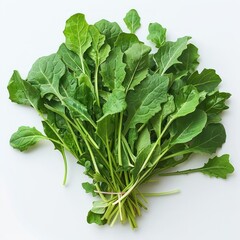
33	203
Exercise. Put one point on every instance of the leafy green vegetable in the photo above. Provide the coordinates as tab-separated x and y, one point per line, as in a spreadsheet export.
125	113
132	20
169	53
25	137
157	34
184	129
218	167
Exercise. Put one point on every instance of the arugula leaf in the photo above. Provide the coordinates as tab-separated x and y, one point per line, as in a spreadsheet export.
22	92
142	107
207	80
99	207
132	20
46	73
98	51
157	34
113	70
136	59
85	91
211	138
71	59
215	103
77	35
126	40
189	58
95	218
111	30
116	102
25	137
184	129
186	102
89	188
218	167
168	54
52	135
68	85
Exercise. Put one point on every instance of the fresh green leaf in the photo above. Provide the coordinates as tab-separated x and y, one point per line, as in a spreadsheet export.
98	51
46	73
211	138
186	101
189	59
218	167
85	91
116	102
215	103
169	53
142	107
77	35
137	61
113	70
111	30
25	137
52	135
126	40
68	85
95	218
89	188
207	80
132	20
184	129
157	34
99	207
71	59
22	92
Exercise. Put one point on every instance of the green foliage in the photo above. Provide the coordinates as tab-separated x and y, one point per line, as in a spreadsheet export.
25	137
132	20
125	113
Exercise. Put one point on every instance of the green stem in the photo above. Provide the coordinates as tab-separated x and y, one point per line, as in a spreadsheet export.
131	155
141	128
96	84
181	172
92	156
177	154
56	141
65	167
141	195
161	193
74	138
87	134
111	165
119	139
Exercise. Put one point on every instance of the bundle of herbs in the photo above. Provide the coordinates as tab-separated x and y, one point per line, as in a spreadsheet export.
127	112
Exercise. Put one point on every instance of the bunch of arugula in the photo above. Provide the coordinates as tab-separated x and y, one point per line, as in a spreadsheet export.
125	113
